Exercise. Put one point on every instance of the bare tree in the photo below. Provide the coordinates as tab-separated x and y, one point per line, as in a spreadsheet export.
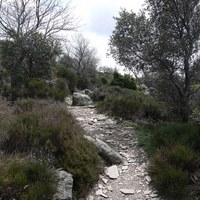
47	16
82	58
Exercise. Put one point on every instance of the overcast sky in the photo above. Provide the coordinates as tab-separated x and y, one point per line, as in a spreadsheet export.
96	18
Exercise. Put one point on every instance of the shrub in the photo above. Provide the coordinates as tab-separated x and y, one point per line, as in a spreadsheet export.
170	170
28	180
124	81
171	182
38	89
6	113
69	75
49	129
129	104
171	133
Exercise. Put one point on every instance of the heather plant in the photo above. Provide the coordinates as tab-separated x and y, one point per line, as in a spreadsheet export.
129	104
171	169
27	180
47	128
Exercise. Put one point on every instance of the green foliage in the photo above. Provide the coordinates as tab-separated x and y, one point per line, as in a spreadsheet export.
171	169
28	180
29	56
47	128
150	42
174	150
41	89
129	104
124	81
172	133
69	75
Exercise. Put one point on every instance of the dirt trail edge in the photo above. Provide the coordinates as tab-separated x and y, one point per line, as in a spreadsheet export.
132	181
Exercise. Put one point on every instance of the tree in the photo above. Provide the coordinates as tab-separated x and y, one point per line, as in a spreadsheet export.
31	56
18	17
162	42
29	44
83	60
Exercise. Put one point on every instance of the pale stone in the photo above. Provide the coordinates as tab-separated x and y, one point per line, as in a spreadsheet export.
100	193
124	167
65	183
148	178
127	191
112	172
104	180
146	192
110	188
106	151
79	99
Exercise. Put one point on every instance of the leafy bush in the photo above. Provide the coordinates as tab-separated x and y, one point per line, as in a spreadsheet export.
48	128
69	75
175	152
171	169
41	89
6	114
124	81
171	133
28	180
129	104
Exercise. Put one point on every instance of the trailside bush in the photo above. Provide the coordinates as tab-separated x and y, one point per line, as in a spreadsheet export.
168	134
48	128
27	180
129	104
42	90
123	81
175	160
170	169
69	76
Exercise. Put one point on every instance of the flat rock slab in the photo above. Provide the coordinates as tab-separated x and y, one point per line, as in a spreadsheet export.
127	191
105	150
112	172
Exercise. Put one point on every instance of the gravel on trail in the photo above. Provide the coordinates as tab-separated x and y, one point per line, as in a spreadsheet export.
126	181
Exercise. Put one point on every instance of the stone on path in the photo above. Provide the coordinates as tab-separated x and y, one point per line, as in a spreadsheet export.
100	193
106	151
127	191
65	184
112	172
79	99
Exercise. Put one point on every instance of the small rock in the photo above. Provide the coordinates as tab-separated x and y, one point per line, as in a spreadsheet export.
110	188
127	191
104	180
153	195
94	120
100	186
112	172
124	167
148	178
105	191
79	119
146	192
100	193
91	198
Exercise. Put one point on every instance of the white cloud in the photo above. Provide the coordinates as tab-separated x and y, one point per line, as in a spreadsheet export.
97	21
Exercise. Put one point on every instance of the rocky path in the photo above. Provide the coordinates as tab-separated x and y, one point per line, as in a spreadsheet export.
127	181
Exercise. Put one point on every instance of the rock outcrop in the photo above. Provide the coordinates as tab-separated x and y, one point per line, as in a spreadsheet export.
79	99
65	184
